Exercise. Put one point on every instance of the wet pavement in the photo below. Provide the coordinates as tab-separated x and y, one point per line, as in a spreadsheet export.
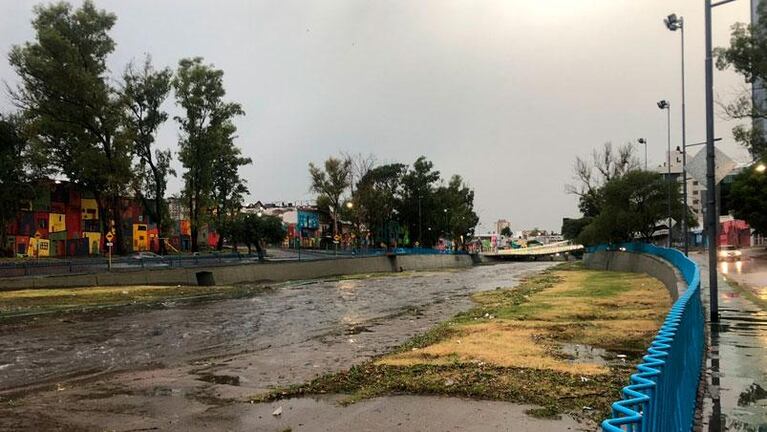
736	398
177	364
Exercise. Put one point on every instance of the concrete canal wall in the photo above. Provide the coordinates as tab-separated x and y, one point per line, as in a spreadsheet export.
243	273
638	263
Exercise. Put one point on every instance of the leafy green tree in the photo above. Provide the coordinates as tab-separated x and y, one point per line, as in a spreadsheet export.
376	199
73	112
330	184
206	129
13	174
229	188
748	195
254	231
506	232
458	200
634	204
418	208
572	228
143	94
747	55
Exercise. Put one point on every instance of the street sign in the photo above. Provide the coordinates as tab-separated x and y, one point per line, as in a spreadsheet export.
110	244
696	166
110	237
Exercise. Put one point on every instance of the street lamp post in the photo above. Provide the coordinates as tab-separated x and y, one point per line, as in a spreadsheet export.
711	222
664	105
420	226
675	23
643	141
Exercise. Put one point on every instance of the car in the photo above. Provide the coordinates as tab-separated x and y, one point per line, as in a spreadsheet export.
146	256
729	253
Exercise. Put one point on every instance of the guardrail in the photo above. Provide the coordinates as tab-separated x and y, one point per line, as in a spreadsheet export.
43	267
661	396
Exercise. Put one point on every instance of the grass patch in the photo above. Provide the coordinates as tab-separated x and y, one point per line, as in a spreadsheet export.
44	301
517	345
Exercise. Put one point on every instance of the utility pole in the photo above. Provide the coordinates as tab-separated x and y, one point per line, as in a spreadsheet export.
711	223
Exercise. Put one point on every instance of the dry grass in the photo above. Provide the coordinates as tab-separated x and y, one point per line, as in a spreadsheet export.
583	307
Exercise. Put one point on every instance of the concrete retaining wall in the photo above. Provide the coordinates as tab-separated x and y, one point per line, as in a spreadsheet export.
243	273
638	263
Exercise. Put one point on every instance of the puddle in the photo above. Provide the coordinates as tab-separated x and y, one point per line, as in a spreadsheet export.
584	354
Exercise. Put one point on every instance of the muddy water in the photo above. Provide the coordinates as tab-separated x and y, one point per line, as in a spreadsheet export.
323	324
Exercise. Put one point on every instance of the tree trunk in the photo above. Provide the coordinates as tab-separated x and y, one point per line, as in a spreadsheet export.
117	218
260	251
193	219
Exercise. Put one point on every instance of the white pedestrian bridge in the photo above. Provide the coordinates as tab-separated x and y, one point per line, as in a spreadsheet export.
533	251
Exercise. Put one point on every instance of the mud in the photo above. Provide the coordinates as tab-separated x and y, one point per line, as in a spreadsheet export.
164	367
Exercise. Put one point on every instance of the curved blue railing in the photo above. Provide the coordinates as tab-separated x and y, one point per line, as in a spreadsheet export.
662	393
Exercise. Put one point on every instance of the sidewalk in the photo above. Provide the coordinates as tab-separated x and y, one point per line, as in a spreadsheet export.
736	369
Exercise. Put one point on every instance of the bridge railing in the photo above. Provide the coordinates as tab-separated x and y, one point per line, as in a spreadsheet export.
662	393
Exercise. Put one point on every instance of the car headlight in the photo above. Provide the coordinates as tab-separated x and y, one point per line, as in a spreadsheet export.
723	253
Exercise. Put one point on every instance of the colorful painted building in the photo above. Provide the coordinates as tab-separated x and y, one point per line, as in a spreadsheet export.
62	220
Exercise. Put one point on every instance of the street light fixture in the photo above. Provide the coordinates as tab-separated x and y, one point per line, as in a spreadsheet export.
644	143
350	205
675	23
761	168
664	105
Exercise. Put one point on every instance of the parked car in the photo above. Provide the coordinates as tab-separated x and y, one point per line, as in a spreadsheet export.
146	256
729	253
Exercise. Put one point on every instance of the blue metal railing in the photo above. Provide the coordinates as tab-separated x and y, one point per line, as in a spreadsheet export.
662	393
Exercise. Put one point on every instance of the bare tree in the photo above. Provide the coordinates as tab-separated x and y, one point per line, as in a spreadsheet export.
603	165
359	165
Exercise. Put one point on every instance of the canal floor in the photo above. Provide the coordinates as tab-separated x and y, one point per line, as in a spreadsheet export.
174	365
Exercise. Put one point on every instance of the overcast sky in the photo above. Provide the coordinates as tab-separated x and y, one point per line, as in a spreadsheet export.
505	93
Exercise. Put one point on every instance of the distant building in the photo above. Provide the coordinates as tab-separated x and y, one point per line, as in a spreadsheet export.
695	189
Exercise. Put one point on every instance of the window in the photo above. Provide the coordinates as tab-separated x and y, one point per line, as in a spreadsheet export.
696	201
695	192
694	182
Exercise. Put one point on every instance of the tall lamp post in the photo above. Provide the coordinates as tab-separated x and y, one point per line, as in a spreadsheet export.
711	222
675	23
643	141
664	105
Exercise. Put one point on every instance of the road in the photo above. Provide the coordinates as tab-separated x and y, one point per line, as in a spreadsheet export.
737	367
172	366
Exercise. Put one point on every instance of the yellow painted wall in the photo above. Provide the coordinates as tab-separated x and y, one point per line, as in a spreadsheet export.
90	209
94	240
57	222
140	237
39	247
